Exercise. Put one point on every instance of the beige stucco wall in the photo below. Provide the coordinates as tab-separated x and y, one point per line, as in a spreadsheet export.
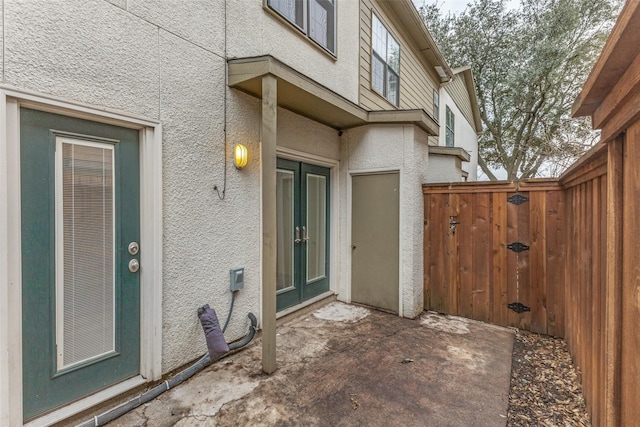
254	30
165	61
444	168
402	148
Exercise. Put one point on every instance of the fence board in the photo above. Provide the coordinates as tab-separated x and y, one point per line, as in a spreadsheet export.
499	309
464	235
538	262
482	262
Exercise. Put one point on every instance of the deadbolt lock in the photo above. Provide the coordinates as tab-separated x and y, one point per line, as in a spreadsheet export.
134	248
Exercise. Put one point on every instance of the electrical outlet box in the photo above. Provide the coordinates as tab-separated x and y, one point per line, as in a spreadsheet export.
237	279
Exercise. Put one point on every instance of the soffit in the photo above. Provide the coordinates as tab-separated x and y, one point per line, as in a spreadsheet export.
304	96
619	52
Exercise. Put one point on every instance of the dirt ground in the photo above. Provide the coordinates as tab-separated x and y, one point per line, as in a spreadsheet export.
545	390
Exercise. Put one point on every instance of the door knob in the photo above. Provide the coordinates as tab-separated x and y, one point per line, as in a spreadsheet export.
134	265
298	240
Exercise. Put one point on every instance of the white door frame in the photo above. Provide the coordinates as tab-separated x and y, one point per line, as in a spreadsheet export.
11	99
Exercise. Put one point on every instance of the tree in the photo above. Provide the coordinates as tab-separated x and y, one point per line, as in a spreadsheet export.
529	64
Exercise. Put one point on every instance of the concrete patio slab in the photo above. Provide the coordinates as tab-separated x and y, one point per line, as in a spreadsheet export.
344	365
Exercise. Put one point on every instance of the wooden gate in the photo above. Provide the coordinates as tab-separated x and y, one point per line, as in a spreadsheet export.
495	251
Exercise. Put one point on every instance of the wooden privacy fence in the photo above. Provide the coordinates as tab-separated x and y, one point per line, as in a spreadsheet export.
495	252
541	255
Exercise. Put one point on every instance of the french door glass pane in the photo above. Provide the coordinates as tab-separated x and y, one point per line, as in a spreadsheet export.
316	226
84	251
285	218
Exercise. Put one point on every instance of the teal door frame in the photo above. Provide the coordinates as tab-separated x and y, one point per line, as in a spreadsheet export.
304	288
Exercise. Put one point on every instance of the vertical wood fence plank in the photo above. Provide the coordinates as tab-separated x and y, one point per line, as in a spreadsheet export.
467	239
481	257
499	257
427	250
630	372
454	255
613	291
512	262
537	215
554	253
524	263
594	299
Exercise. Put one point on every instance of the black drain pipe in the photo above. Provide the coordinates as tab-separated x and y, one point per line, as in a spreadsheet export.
112	414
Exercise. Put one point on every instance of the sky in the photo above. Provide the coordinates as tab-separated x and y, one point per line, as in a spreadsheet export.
453	6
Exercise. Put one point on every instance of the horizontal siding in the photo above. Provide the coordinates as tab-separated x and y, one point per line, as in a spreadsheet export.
457	89
416	84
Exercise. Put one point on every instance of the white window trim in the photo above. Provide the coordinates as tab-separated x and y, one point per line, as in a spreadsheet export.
11	99
448	111
304	29
384	61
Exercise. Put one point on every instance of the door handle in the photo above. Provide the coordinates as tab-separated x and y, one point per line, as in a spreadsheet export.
134	265
297	235
304	234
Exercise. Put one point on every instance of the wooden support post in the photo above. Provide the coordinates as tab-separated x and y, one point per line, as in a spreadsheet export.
613	283
269	228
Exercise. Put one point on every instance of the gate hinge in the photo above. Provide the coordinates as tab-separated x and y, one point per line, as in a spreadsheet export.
518	307
517	199
518	247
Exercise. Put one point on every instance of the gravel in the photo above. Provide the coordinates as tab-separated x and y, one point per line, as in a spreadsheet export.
545	390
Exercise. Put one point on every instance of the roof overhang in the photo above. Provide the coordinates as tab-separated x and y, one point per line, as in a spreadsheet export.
304	96
615	77
457	152
414	25
473	98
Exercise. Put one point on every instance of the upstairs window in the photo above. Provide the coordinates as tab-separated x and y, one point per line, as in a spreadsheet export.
385	62
315	18
436	105
451	125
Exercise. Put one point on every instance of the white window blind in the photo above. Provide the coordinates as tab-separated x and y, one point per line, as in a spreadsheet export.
84	250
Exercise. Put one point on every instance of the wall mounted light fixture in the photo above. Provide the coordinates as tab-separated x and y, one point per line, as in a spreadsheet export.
240	156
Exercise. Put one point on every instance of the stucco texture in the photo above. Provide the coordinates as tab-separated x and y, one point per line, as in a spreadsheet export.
402	148
87	51
271	35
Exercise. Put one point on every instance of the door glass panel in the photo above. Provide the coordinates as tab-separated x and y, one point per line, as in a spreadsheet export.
285	226
316	226
85	326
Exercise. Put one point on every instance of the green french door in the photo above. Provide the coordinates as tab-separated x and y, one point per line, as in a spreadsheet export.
80	282
302	196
